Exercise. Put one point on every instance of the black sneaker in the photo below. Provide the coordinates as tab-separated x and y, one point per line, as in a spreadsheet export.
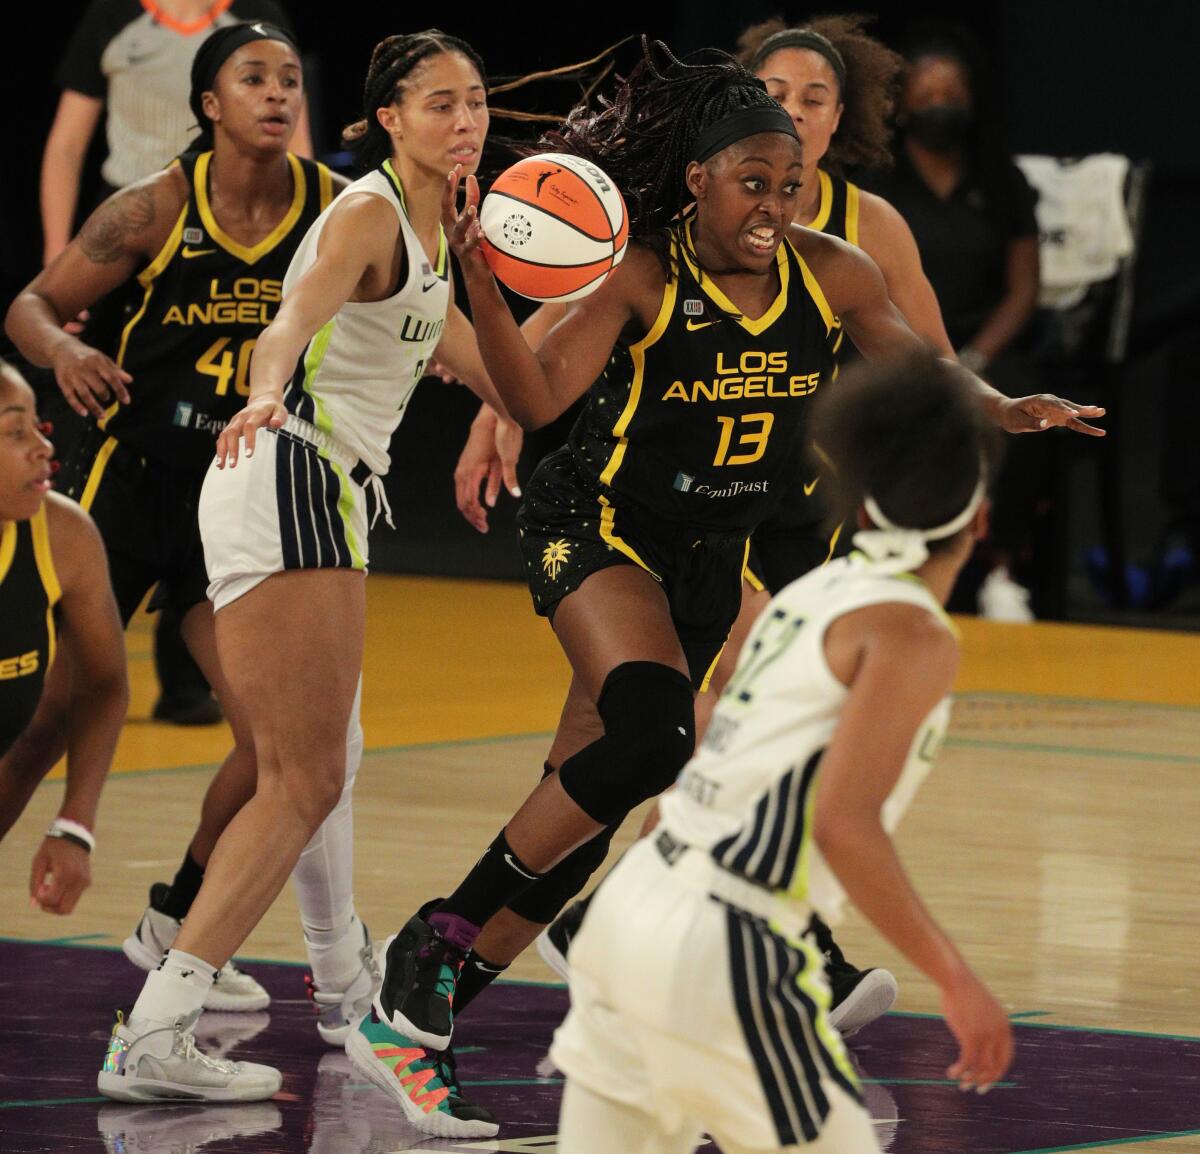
554	942
420	972
857	997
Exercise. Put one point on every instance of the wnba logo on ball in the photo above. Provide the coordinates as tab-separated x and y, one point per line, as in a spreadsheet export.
517	229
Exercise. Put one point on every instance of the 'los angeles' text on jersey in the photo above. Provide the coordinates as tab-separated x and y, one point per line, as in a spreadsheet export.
703	420
186	326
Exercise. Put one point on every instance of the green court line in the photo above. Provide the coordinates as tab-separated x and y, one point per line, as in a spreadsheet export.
928	1082
1063	699
517	1082
70	941
1059	1026
375	751
1029	1014
16	1103
1079	750
1149	1137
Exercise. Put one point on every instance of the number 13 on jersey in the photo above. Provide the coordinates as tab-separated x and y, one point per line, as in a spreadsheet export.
752	430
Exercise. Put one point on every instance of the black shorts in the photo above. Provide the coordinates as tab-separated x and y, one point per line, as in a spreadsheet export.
571	528
797	538
146	513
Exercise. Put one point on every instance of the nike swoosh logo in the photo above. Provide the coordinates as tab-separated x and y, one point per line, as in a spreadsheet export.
531	877
426	287
189	253
696	326
808	489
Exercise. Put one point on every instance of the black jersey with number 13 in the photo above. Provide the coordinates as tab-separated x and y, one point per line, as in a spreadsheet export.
702	420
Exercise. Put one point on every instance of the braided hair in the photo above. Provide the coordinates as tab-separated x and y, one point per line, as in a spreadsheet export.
873	73
393	59
645	135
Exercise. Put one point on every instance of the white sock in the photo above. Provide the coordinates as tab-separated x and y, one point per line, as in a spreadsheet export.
177	989
324	880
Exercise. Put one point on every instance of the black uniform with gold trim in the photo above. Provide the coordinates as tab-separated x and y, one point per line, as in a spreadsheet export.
681	448
796	537
184	329
29	590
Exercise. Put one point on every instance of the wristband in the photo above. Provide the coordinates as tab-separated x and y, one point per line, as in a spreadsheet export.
73	832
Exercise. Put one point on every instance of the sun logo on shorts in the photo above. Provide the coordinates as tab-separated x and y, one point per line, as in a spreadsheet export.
554	557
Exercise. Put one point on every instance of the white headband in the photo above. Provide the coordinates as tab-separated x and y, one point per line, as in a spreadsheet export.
903	550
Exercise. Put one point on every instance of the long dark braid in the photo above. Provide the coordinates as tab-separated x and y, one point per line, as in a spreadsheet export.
391	61
645	134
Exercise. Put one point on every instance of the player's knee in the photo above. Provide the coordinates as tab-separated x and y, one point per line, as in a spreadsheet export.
649	734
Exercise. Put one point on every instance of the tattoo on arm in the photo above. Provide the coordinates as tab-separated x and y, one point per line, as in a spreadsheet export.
125	214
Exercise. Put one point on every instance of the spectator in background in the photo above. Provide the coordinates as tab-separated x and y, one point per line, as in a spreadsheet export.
131	60
972	213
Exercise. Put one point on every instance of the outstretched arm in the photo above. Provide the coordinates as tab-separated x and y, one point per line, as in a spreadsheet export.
361	232
855	290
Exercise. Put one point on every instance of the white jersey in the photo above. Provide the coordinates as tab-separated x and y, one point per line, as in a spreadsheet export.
746	796
357	373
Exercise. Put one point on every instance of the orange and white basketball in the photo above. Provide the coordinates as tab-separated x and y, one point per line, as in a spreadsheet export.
554	227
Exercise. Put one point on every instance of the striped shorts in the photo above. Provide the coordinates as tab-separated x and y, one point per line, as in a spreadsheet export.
293	505
697	1014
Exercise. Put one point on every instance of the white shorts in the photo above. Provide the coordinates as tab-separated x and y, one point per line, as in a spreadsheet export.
700	1016
290	506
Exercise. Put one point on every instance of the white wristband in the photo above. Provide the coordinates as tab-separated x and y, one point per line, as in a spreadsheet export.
64	827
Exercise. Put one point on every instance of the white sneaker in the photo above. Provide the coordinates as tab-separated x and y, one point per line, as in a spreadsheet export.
163	1064
144	1129
339	1012
1002	599
233	991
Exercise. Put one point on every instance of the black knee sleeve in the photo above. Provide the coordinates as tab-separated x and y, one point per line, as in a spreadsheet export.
649	719
549	895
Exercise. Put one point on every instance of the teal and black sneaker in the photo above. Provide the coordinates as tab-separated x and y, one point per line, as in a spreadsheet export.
423	1082
420	972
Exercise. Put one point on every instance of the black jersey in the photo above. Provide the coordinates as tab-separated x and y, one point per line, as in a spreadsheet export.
702	420
837	216
29	591
185	327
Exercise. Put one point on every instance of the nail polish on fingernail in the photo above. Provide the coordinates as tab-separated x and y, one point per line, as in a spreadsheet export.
516	490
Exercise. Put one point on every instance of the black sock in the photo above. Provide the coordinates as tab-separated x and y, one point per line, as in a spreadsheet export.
495	880
184	888
476	976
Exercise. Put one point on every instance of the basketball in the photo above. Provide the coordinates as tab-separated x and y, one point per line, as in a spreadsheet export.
554	227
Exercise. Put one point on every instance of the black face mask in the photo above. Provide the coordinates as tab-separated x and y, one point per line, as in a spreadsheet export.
941	127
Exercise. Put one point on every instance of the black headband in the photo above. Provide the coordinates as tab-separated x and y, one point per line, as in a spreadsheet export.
738	125
803	38
218	48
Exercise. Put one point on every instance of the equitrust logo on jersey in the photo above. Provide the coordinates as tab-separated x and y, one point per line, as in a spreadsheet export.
183	414
686	483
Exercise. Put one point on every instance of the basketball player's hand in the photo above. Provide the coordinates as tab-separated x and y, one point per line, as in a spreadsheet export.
488	460
1046	411
88	379
983	1031
463	230
266	411
61	872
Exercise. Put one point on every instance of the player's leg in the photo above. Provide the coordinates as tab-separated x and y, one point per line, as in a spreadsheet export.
617	632
291	650
755	599
590	1123
846	1130
230	789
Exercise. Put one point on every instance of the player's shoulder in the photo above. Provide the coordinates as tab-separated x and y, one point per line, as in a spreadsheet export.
75	542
